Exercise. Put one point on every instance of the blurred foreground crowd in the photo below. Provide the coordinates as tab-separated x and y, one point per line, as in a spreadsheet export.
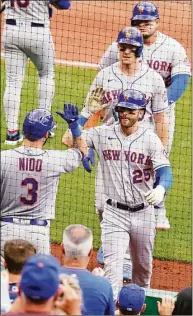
33	283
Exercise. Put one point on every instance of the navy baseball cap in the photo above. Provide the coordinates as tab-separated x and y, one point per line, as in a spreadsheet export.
145	11
131	99
40	277
131	298
37	123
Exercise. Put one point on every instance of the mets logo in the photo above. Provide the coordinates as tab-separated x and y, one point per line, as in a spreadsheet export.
127	34
126	97
140	9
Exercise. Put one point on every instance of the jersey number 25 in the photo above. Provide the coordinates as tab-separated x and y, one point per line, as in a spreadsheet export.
140	176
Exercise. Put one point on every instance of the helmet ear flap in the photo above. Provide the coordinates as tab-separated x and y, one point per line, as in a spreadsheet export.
139	51
132	23
142	117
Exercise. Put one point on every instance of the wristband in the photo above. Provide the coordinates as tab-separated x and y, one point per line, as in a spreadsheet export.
75	129
82	120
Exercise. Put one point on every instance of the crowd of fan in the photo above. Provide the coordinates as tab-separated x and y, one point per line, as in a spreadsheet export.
37	284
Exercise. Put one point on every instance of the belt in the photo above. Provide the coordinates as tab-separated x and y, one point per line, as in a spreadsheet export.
38	222
125	207
33	24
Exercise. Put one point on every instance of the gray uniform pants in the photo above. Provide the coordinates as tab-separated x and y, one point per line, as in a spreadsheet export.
39	236
121	229
20	43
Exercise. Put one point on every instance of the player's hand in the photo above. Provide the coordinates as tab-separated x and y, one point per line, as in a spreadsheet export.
155	196
70	115
95	101
90	158
166	307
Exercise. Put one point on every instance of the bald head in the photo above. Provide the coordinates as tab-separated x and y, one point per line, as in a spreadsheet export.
77	241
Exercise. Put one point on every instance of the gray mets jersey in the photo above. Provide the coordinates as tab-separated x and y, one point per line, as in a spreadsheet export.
29	180
114	82
166	56
128	163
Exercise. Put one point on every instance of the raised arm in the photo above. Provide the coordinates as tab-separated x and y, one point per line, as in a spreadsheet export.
70	115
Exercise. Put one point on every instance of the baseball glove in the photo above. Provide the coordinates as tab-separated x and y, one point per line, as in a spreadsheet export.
2	6
95	102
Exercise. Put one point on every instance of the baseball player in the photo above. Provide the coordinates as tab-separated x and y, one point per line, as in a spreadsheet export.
166	56
130	155
109	82
27	35
30	176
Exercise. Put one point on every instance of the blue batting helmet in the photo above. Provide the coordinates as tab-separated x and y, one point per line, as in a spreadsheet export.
131	99
145	11
37	123
131	35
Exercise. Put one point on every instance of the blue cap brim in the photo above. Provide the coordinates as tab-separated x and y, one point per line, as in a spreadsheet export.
129	106
128	41
144	17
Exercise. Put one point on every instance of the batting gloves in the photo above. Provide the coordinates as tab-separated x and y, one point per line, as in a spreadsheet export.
90	158
155	196
70	115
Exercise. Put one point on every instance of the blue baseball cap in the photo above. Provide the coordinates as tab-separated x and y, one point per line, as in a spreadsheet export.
40	277
131	298
130	35
131	99
37	123
145	11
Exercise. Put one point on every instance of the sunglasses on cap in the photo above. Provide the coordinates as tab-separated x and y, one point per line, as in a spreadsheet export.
123	48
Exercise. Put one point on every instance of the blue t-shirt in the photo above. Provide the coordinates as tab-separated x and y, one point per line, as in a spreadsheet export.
13	291
97	292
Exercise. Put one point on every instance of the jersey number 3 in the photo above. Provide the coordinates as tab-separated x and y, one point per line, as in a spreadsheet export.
19	3
32	194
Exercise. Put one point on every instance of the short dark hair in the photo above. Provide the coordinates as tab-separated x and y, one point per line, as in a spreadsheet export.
16	253
125	312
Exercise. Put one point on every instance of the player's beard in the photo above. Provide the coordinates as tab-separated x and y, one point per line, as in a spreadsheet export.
127	122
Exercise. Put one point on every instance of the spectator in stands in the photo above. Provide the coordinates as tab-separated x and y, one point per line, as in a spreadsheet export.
96	290
181	306
16	253
42	289
131	300
5	300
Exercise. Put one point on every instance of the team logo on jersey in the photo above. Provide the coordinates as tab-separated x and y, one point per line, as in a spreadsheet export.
140	9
